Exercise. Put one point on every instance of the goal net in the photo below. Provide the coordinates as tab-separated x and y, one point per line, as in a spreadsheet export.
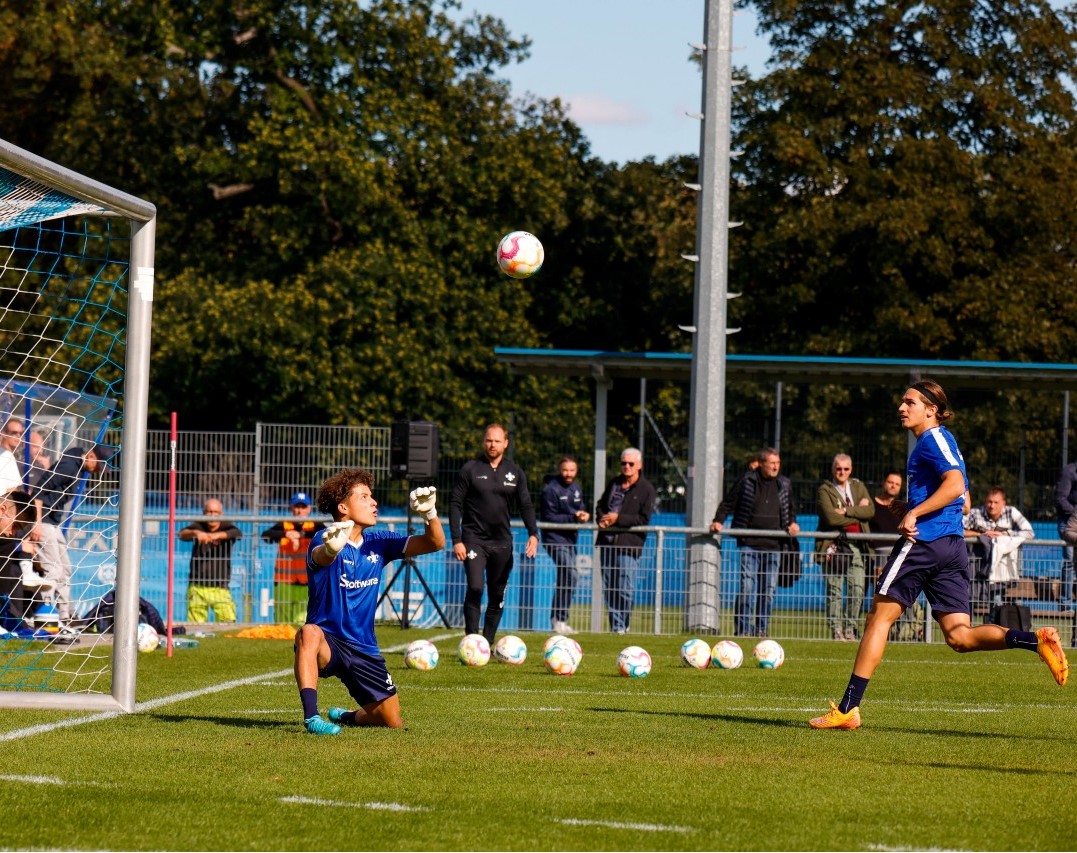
76	288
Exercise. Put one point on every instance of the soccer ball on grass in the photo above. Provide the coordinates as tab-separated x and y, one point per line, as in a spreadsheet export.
768	654
520	254
510	649
148	638
696	653
474	650
563	658
727	655
634	662
421	655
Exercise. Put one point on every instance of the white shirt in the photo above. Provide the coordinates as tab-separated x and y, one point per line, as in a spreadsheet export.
10	478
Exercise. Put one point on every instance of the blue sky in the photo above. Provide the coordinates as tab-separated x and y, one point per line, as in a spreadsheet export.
622	66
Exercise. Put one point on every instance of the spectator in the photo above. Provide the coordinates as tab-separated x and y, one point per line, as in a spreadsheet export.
10	439
54	493
40	458
844	505
888	512
627	501
760	500
995	532
479	512
292	537
562	502
1065	507
346	562
211	566
19	583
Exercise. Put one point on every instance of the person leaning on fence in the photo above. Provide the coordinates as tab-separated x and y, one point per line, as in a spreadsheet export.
562	503
292	538
760	500
889	510
845	506
1065	507
345	563
995	533
933	559
208	587
627	501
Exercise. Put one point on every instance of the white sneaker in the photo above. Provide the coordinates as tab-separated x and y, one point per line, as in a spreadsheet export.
560	627
32	580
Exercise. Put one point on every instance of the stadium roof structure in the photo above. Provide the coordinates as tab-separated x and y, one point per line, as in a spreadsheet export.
840	370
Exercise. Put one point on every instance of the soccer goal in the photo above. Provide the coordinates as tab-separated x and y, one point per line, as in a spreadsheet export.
76	291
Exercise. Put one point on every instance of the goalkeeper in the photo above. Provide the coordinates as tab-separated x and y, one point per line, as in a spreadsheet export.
344	569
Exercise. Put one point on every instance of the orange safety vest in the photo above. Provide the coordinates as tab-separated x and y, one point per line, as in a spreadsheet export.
291	563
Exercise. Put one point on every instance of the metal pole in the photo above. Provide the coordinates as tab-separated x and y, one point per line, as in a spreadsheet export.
1065	428
642	414
602	387
778	417
706	433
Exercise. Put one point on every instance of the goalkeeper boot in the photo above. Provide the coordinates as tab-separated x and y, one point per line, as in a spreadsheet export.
317	726
835	719
337	714
1050	649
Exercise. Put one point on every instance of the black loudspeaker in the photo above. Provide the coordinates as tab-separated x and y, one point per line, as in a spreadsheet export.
413	450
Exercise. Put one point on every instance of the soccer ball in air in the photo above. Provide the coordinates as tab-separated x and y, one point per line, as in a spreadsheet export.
634	662
563	658
768	654
421	655
474	650
727	655
148	639
520	254
696	653
510	649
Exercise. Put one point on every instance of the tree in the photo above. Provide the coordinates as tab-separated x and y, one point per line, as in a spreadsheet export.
908	181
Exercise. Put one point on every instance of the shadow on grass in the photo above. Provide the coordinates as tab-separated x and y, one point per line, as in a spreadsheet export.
234	722
802	723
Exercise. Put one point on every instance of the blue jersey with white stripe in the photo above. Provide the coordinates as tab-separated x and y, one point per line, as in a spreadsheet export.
342	597
936	453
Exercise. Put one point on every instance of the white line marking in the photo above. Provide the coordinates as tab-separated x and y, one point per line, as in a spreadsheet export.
525	709
388	807
613	824
154	704
33	780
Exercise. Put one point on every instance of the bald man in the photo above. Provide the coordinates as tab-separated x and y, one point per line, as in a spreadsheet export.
211	565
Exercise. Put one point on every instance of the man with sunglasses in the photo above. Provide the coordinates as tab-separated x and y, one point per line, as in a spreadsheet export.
628	501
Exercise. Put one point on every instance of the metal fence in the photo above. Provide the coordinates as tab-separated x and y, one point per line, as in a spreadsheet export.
254	474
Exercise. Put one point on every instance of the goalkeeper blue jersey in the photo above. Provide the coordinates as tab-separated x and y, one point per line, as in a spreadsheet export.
936	453
343	596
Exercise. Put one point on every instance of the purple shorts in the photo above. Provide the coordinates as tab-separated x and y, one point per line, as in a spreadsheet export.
940	568
366	676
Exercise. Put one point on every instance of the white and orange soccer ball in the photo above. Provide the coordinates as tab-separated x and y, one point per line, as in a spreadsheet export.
474	650
421	655
510	649
768	654
696	653
520	254
634	662
727	655
563	658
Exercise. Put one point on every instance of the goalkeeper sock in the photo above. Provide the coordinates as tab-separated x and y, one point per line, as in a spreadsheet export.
854	693
309	697
1021	640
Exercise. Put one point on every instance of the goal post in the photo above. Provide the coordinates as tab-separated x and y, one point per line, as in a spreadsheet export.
76	295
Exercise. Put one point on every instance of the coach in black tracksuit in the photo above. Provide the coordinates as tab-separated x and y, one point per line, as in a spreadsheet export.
479	512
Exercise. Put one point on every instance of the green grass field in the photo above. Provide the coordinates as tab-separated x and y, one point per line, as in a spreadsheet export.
957	752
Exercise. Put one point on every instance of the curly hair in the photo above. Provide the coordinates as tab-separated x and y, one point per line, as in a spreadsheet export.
336	489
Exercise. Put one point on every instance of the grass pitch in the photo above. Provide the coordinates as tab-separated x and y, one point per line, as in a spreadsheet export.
957	752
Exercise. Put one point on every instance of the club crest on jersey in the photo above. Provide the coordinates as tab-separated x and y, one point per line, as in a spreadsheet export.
510	477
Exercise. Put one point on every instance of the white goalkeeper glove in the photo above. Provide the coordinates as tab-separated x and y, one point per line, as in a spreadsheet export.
422	502
336	536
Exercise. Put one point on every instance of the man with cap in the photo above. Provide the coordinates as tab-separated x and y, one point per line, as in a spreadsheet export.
292	538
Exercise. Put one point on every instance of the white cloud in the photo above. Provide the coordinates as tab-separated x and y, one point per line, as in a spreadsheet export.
601	109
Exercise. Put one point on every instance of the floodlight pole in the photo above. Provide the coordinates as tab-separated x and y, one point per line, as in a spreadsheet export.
706	430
